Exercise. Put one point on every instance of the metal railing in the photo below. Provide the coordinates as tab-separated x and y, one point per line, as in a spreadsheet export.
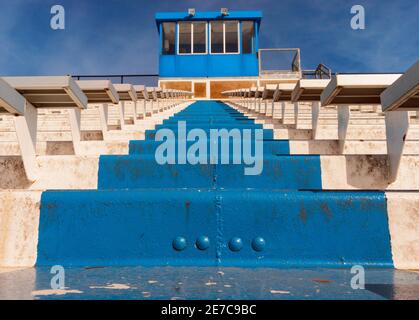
321	72
146	79
280	62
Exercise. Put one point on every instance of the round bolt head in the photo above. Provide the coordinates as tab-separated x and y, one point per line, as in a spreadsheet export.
258	244
179	244
203	243
235	244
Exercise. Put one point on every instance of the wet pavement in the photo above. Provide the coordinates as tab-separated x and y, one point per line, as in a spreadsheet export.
209	283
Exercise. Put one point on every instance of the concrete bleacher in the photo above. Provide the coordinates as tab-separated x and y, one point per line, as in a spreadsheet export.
365	160
54	145
318	202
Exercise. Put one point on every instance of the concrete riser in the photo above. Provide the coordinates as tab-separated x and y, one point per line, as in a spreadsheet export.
299	229
273	147
266	134
280	172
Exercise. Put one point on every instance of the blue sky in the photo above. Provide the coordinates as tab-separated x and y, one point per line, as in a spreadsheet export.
119	36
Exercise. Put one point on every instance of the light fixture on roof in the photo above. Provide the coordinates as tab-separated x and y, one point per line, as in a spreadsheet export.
224	11
191	12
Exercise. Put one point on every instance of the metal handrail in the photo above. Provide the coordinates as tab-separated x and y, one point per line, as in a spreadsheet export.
321	72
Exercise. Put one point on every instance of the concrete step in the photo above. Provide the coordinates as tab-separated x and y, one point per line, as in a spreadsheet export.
227	125
204	227
277	172
274	147
265	134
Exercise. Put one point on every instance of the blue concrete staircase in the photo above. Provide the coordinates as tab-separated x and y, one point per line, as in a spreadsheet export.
148	214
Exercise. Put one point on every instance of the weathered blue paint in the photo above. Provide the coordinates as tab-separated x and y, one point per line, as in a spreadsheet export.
138	227
336	229
190	119
102	228
207	126
131	172
147	147
267	134
279	172
190	283
213	215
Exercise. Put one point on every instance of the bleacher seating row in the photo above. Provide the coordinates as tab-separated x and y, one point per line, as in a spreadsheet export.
359	111
32	106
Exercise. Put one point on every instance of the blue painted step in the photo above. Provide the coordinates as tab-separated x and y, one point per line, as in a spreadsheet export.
279	172
206	127
208	111
234	227
148	214
210	117
267	134
205	122
273	147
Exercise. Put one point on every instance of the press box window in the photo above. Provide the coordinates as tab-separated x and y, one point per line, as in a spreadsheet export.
248	31
225	37
231	36
217	37
199	37
185	37
169	38
192	37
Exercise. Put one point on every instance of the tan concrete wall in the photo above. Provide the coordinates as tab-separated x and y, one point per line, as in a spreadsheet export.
403	215
219	86
178	85
19	222
368	172
200	89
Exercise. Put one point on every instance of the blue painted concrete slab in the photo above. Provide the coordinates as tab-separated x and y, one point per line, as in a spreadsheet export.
139	227
273	147
207	126
213	119
306	229
131	172
278	172
148	214
266	134
224	114
124	228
